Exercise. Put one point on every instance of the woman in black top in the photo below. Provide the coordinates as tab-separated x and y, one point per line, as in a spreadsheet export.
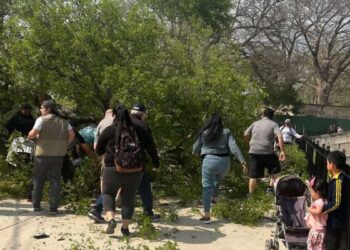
112	180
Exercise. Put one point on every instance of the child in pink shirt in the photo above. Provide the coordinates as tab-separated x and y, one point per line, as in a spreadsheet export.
315	220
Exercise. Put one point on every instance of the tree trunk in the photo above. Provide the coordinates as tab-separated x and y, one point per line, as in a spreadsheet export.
323	92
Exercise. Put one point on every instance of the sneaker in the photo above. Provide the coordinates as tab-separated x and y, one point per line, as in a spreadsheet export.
53	211
154	217
111	226
37	209
29	198
270	190
205	220
125	231
93	214
214	201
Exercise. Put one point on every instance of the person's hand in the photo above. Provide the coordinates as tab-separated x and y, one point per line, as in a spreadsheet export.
155	170
282	156
245	168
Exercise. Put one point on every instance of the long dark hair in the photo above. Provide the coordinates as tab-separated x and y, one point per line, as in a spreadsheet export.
115	113
122	121
321	187
213	128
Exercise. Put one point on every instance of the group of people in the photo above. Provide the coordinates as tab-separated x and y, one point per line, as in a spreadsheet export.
122	140
328	211
131	180
53	134
333	128
214	144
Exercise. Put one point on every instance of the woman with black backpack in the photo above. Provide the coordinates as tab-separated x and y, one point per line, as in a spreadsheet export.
123	159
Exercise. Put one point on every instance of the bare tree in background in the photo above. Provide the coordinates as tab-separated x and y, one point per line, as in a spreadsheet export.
295	43
325	29
268	40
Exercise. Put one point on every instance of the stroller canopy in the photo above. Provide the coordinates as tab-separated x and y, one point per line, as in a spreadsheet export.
291	186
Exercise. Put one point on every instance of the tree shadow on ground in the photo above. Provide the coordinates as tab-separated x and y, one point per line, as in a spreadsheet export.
192	231
195	236
19	208
16	208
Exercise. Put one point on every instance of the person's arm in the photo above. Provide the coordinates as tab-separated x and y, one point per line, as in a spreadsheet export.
282	156
335	201
152	151
84	146
105	136
151	147
246	139
237	152
235	149
91	154
314	209
277	133
97	135
196	148
248	133
34	133
295	134
71	136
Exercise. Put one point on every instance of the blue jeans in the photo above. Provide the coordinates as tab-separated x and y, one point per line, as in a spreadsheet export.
214	169
99	204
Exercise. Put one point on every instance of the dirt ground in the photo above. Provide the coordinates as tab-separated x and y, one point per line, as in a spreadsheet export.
19	224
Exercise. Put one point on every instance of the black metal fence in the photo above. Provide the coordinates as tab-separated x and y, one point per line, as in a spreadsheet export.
316	156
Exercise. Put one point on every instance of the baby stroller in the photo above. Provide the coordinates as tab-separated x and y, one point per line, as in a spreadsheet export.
20	154
292	198
20	148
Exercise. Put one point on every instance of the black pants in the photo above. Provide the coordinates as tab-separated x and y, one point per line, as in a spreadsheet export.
333	238
129	183
146	194
68	169
47	167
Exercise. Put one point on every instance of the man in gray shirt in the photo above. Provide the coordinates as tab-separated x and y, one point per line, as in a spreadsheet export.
96	210
104	123
261	136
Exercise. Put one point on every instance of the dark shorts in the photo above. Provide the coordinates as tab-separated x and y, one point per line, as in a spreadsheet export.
258	163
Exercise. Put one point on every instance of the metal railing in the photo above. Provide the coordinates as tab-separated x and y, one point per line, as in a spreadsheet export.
316	156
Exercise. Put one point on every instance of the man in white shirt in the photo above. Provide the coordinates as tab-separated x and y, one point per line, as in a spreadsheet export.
53	136
288	132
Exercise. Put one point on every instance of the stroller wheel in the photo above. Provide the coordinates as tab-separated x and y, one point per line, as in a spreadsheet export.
269	245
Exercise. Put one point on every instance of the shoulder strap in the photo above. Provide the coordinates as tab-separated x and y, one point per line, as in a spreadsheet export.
227	137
